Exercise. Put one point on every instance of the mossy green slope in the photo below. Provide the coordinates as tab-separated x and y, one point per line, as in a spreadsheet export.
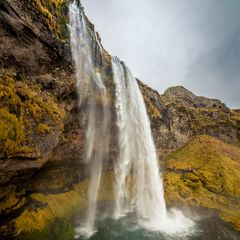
205	172
60	209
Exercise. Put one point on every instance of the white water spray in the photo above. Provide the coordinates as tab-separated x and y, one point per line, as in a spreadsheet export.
138	158
137	151
91	92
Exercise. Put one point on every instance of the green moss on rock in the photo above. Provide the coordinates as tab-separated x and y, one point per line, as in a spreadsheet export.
152	110
11	199
54	13
23	110
43	129
59	210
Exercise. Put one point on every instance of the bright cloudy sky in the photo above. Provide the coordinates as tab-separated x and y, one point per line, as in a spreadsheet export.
194	43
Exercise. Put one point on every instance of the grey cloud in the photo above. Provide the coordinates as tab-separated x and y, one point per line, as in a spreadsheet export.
218	71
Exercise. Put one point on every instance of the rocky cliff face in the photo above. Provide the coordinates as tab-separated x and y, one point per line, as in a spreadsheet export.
34	78
38	113
33	35
178	115
39	118
41	137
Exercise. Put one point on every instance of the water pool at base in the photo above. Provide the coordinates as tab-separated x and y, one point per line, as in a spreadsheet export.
208	227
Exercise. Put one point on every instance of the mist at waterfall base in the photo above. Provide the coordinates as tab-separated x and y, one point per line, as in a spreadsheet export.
138	187
208	226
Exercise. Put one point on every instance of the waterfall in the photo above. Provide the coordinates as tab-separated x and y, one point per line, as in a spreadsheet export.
137	156
139	185
91	93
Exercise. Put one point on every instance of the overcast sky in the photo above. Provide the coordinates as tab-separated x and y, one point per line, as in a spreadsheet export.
194	43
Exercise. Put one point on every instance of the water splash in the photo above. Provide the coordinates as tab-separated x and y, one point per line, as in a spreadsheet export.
92	94
144	193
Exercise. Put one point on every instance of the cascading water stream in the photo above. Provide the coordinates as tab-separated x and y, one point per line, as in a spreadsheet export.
138	186
137	158
91	92
137	151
